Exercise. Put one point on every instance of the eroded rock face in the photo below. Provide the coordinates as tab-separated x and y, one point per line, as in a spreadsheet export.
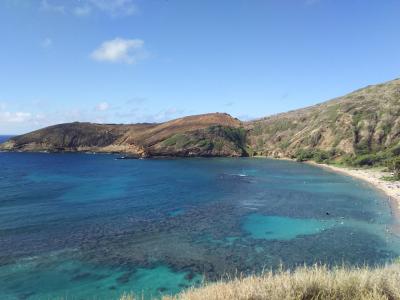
367	119
203	135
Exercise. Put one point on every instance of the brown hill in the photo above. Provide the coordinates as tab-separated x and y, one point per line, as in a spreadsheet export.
214	134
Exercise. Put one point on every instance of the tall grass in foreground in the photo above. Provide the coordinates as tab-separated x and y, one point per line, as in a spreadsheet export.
317	282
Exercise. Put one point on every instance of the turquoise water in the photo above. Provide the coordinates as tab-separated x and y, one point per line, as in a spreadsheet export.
283	228
91	226
73	280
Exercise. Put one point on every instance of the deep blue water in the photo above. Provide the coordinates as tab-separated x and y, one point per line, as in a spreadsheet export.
90	226
4	138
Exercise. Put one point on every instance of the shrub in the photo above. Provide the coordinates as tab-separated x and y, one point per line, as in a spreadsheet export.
395	150
236	135
367	160
304	155
321	156
315	154
179	140
394	165
205	143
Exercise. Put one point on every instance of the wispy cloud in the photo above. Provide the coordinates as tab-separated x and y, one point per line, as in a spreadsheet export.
136	115
245	117
81	8
284	96
102	106
52	7
14	117
8	116
165	115
30	118
115	7
119	50
81	11
136	101
46	43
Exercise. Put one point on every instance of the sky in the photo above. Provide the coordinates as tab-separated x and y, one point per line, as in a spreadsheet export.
129	61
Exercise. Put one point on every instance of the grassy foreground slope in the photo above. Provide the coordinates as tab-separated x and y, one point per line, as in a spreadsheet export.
316	282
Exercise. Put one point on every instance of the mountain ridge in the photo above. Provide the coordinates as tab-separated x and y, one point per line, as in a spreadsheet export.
215	134
362	122
365	119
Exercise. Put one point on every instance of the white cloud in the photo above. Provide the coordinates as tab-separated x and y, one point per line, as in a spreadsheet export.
164	115
50	6
115	7
103	106
47	42
14	117
120	51
34	117
143	115
82	10
245	117
136	101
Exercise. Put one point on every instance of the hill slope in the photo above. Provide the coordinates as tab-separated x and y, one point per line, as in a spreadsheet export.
202	135
365	121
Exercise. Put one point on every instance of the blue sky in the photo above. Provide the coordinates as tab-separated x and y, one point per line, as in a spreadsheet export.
124	61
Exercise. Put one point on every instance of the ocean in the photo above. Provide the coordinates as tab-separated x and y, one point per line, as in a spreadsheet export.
4	138
92	226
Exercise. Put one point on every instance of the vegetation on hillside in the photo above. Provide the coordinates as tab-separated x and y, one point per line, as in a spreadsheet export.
388	158
215	134
316	282
363	126
359	129
216	140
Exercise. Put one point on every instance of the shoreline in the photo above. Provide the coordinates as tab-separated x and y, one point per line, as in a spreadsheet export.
374	178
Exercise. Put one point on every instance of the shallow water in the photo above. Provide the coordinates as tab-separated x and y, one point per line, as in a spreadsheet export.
79	226
283	228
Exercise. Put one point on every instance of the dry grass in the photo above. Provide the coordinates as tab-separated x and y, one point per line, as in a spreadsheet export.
316	282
